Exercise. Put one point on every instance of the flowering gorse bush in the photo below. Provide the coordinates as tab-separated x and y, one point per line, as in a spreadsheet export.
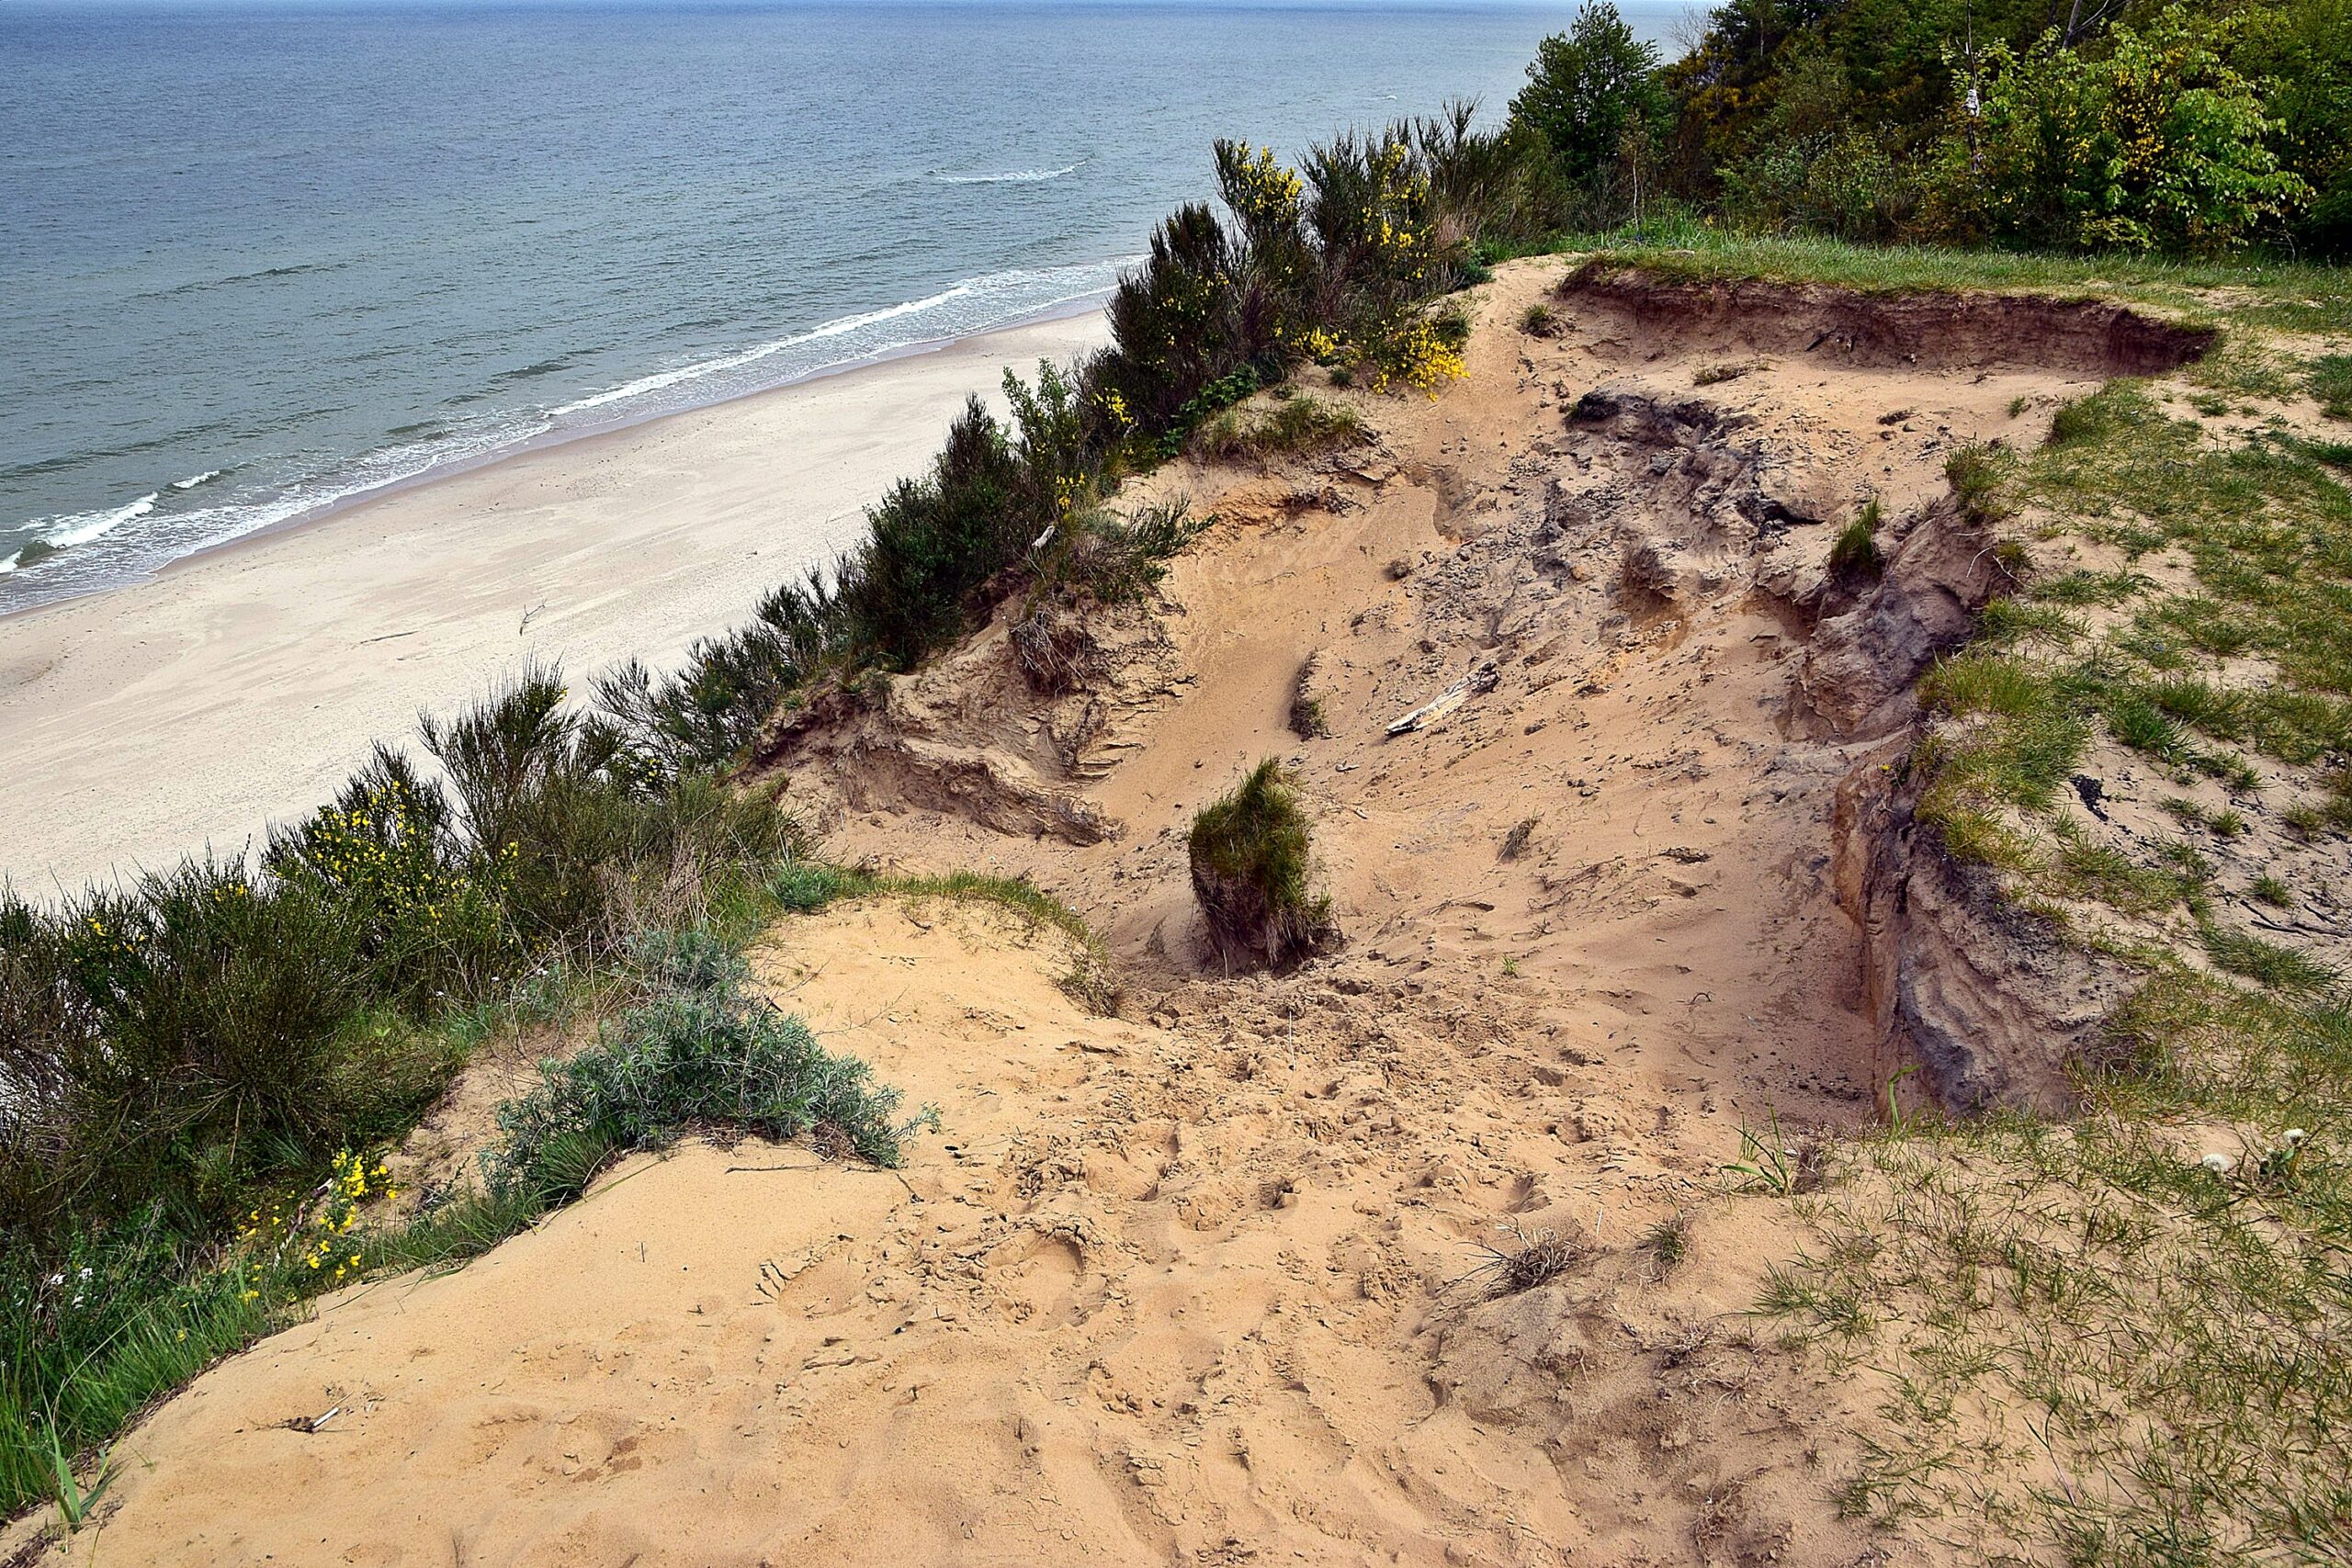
434	917
314	1240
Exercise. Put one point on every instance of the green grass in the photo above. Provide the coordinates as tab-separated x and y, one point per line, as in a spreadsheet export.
1299	422
2091	1299
1252	867
2088	1347
1854	554
2330	381
2284	295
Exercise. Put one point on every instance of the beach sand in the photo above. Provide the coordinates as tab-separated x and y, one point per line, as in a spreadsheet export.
244	684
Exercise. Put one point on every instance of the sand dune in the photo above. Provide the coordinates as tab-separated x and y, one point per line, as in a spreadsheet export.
246	683
1211	1281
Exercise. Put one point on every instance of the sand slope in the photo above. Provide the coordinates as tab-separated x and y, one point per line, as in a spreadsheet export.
1112	1314
1208	1283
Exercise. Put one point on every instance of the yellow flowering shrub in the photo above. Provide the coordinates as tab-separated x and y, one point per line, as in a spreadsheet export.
432	917
313	1242
1263	195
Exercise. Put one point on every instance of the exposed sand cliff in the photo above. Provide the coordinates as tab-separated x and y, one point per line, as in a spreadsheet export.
1206	1282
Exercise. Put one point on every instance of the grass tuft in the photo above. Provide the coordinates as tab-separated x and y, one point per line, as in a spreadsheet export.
1251	866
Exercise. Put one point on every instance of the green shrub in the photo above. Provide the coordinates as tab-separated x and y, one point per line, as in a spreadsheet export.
2153	143
1251	866
805	887
703	1055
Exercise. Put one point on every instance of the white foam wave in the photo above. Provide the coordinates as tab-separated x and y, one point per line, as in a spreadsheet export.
1012	176
80	528
1018	289
662	379
972	305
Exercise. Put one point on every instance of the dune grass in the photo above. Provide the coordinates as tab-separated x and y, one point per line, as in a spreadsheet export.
1299	422
1252	868
2112	1338
807	886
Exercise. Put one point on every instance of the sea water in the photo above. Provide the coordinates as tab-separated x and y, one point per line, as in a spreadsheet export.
257	259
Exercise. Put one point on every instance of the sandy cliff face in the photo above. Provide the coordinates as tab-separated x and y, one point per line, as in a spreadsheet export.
1215	1281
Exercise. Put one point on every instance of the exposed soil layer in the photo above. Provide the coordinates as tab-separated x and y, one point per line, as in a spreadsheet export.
1929	331
1421	1253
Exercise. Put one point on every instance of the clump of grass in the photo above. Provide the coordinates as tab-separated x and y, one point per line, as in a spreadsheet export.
2265	962
1977	476
1298	424
2329	379
1539	319
1252	871
1776	1161
1855	556
2143	725
2270	890
1668	1242
1529	1259
805	887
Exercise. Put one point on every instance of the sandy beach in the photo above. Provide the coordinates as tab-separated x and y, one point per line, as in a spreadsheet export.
244	684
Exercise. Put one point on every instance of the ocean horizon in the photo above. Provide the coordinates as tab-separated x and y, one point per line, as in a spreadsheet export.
266	259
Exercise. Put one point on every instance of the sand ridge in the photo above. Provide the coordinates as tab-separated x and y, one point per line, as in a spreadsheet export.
1211	1281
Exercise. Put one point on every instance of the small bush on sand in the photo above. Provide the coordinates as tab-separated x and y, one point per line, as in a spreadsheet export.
1093	559
704	1055
1251	866
1297	423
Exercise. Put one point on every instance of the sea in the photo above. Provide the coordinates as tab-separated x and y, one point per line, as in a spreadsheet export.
257	260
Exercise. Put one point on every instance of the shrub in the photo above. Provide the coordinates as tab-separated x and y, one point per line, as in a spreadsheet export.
1250	871
2155	143
805	887
1095	559
700	1054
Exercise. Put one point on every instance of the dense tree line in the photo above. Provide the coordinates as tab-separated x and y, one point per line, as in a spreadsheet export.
2092	124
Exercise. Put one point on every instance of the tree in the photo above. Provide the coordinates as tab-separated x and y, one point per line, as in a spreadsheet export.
1586	87
2157	143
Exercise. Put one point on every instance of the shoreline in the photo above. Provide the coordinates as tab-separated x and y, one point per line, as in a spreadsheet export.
551	440
184	711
